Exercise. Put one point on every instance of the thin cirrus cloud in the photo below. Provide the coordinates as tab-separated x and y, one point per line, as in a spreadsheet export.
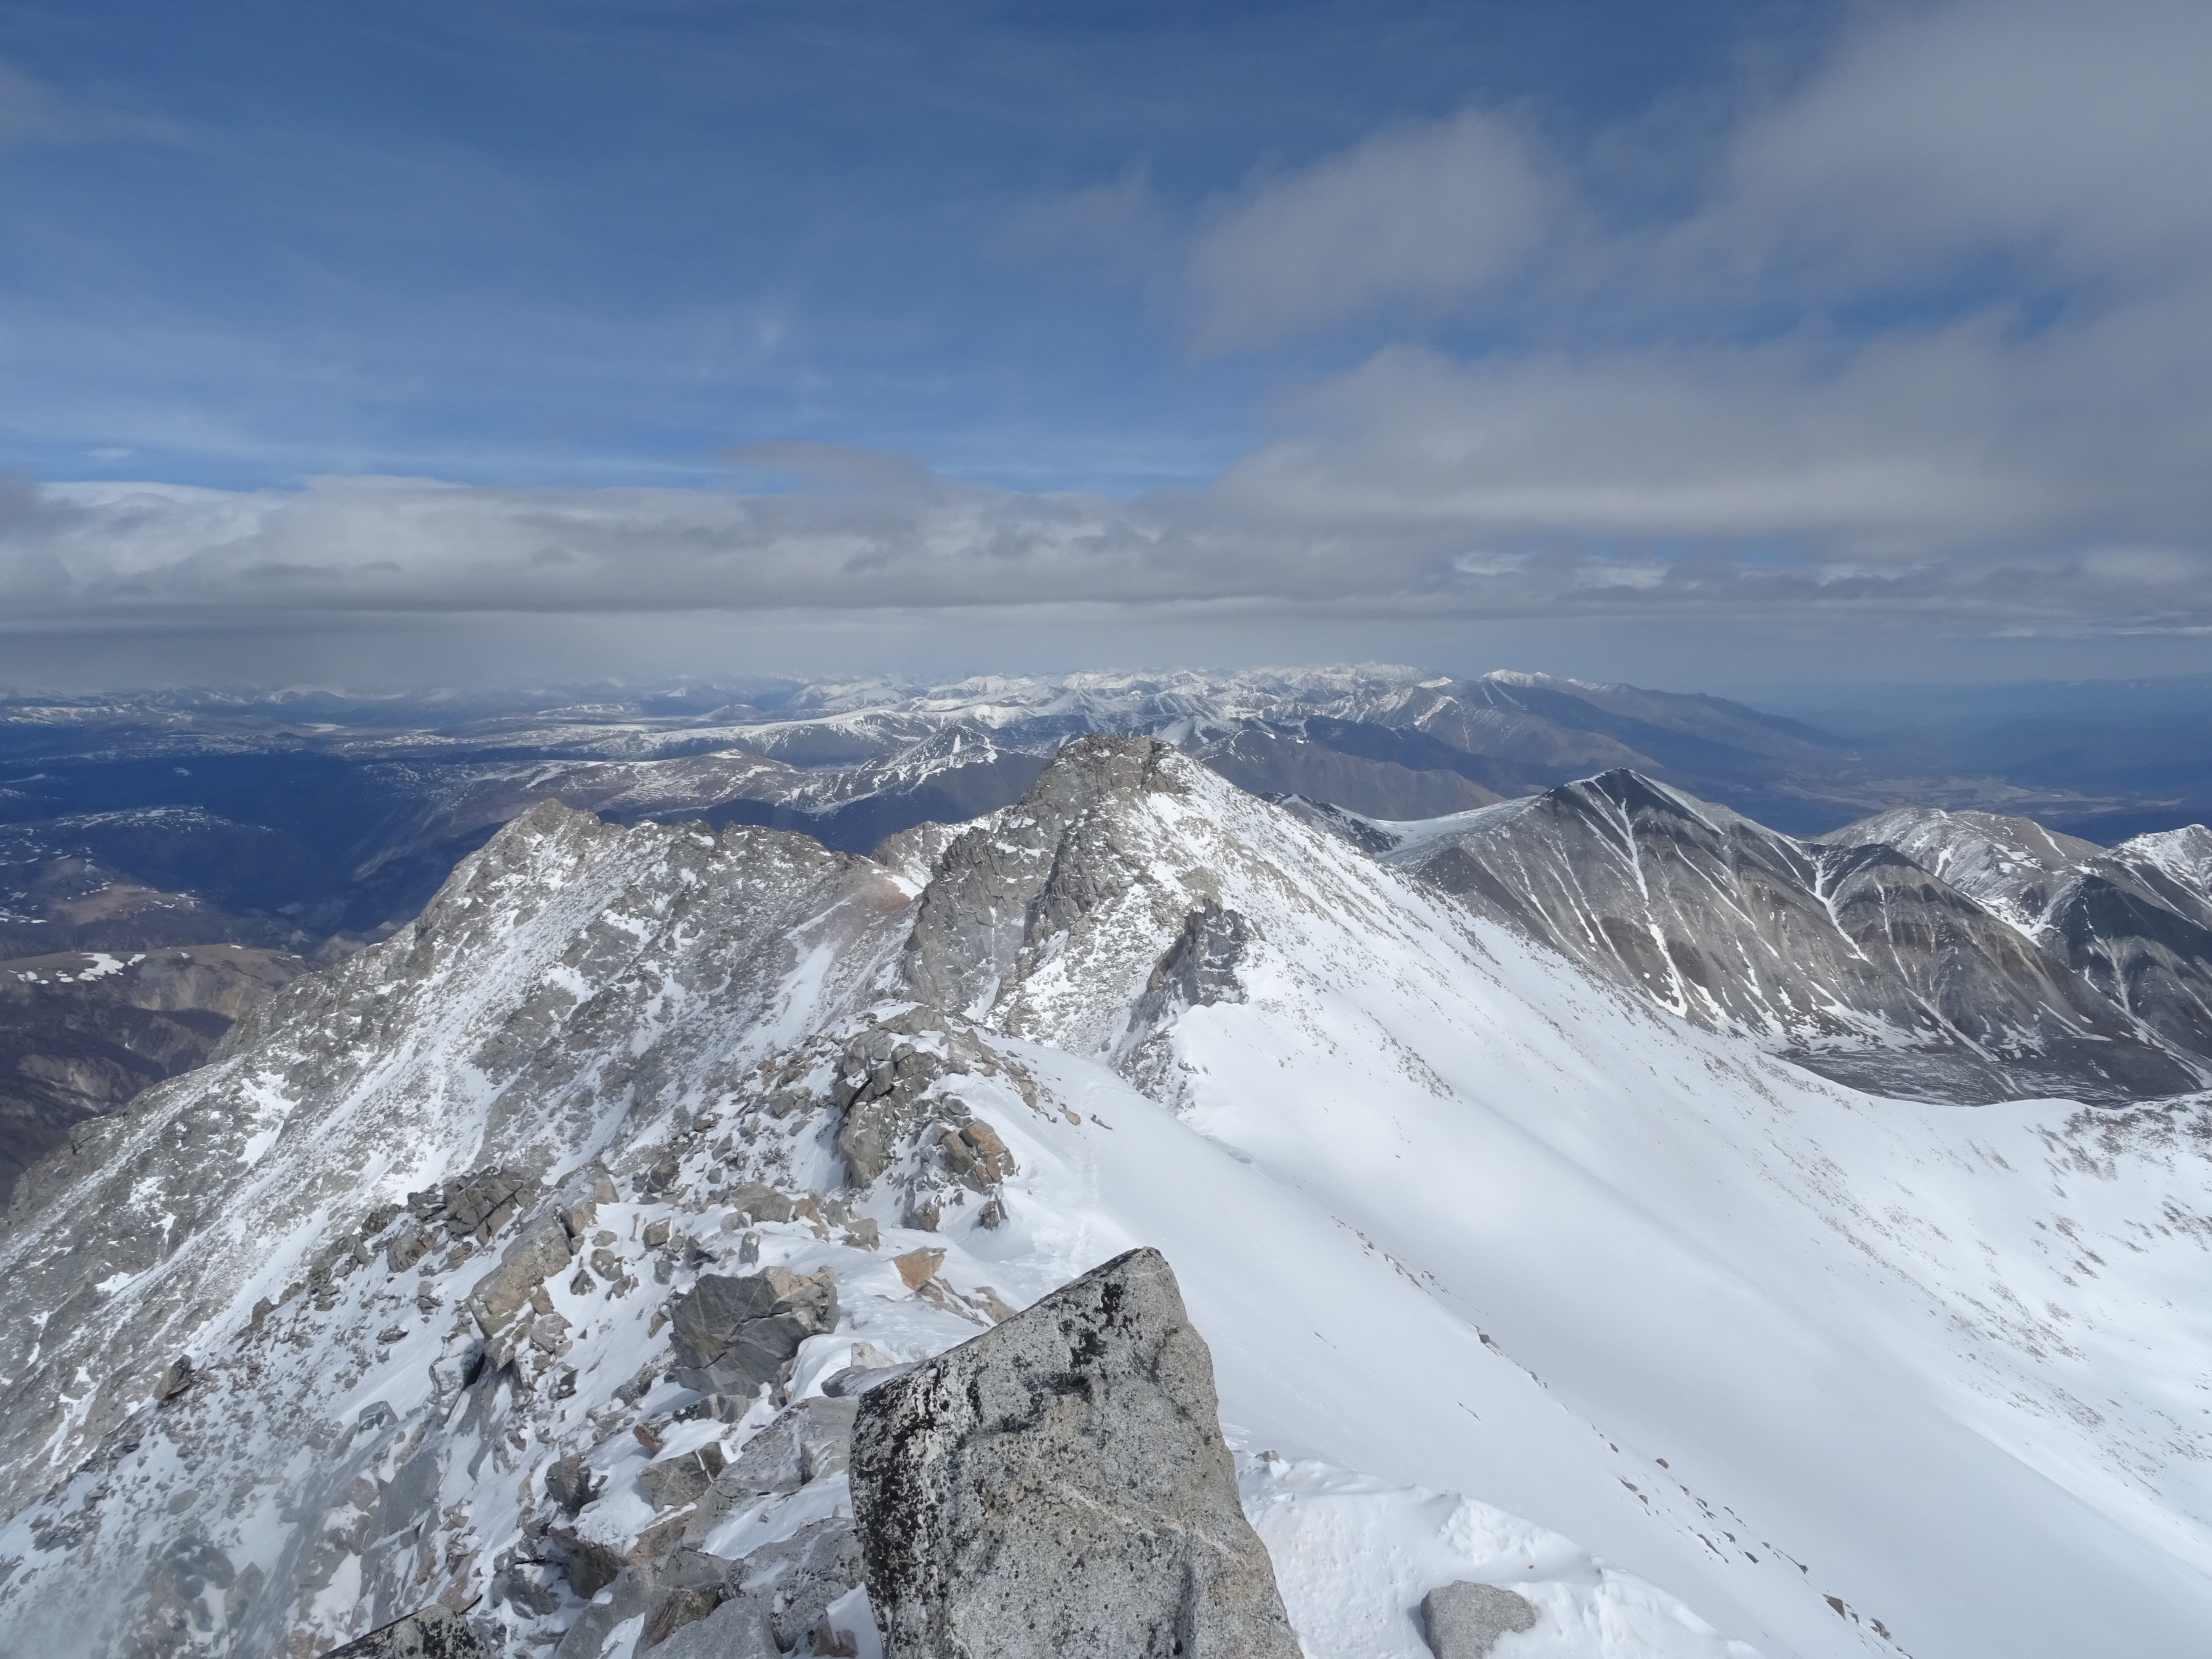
33	112
1416	216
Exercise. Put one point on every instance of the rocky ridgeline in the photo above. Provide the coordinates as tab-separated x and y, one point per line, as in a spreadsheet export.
1056	1485
521	1281
2046	967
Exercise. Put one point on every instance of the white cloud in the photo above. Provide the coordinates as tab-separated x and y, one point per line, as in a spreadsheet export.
1425	215
2069	140
2033	460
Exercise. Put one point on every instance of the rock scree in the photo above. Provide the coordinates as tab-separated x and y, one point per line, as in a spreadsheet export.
1059	1484
434	1633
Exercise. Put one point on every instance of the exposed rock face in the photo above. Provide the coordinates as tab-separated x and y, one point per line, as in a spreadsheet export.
1059	1486
1847	955
433	1633
902	1129
2134	922
734	1334
809	1441
576	991
1005	889
394	1275
1464	1621
1196	971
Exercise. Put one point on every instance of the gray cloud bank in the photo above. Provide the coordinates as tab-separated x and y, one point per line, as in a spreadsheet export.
1894	433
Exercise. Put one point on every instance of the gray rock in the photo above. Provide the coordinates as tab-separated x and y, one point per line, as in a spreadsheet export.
690	1585
737	1629
1464	1620
808	1440
629	1593
1059	1484
577	1203
570	1483
675	1481
433	1633
731	1335
857	1380
1002	889
761	1201
800	1575
525	1264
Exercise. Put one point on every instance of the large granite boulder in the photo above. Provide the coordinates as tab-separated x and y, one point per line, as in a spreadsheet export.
1465	1621
731	1335
1059	1484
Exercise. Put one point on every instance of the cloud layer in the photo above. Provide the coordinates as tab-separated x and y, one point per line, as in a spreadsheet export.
1928	341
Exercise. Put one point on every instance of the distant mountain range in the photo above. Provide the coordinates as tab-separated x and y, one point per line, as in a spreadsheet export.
298	825
1959	957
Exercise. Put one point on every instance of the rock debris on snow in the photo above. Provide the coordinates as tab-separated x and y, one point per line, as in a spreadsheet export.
433	1228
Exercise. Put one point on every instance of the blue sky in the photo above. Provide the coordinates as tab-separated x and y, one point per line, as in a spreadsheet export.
1705	338
603	243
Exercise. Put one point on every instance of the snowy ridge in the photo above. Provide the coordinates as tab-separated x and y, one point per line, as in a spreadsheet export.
1760	1364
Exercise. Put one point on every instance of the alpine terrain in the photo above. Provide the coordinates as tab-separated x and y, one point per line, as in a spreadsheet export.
1557	1201
1963	957
296	826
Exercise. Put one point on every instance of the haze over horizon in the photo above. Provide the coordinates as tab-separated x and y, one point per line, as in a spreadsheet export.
1745	345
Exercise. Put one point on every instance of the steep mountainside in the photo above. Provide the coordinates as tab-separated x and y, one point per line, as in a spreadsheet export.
2135	922
375	1309
1858	959
80	1034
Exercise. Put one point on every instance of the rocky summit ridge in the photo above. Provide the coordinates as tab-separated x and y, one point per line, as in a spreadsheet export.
298	825
538	1263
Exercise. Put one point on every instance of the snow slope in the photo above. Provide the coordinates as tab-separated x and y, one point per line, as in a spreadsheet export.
1506	1275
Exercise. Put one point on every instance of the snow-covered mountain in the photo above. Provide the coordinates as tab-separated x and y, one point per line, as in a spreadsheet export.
1950	956
2135	922
1506	1275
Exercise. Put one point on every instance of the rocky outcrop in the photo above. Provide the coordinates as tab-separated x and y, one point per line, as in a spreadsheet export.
504	1293
1005	888
810	1440
733	1335
1059	1484
900	1127
1465	1621
1198	970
